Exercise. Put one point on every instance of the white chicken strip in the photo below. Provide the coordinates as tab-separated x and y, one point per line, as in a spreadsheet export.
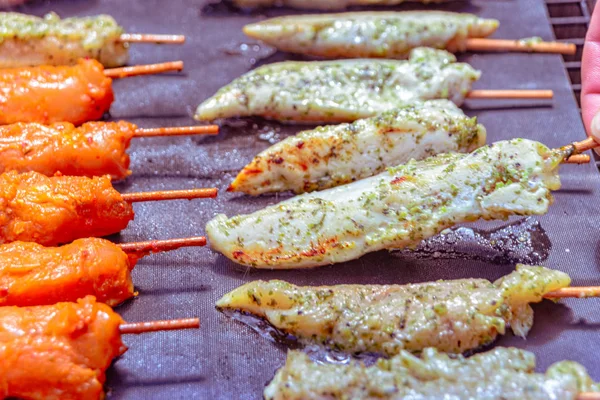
341	91
326	4
452	316
333	155
499	374
27	40
395	209
371	34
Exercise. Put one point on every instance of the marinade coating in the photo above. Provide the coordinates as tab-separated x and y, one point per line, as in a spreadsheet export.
93	149
395	209
326	4
342	90
32	275
371	34
333	155
59	209
48	94
453	316
58	352
499	374
27	40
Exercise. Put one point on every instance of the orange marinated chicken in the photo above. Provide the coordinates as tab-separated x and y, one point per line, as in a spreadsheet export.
59	209
33	275
93	149
48	94
58	352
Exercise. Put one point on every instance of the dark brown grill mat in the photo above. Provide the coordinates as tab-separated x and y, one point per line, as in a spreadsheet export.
226	360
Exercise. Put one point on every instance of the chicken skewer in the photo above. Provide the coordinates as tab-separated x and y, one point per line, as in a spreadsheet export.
346	90
334	155
60	209
501	374
75	94
93	149
27	40
395	209
453	316
387	34
62	351
34	275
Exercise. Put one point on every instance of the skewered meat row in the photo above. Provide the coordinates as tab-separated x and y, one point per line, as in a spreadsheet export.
326	4
61	352
453	316
93	149
499	374
59	209
47	94
58	352
27	40
31	274
371	34
329	156
340	91
395	209
76	94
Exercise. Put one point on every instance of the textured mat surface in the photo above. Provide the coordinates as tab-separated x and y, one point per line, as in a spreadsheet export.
227	360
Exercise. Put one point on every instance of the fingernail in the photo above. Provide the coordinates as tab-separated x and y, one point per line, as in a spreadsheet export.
595	126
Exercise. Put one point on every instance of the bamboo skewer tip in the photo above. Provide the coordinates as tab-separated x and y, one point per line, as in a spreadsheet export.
147	69
153	326
186	194
154	246
152	38
487	44
510	94
178	131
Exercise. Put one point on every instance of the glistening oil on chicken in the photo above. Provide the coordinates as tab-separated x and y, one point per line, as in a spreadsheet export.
395	209
453	316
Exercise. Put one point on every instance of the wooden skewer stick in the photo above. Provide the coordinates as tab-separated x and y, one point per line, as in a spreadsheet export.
585	145
147	69
577	292
510	94
178	130
481	44
151	38
154	246
578	159
153	326
588	396
187	194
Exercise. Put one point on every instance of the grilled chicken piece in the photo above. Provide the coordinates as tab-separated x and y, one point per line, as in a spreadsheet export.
93	149
58	352
395	209
371	34
499	374
329	156
452	316
340	91
27	40
60	209
326	4
32	275
47	94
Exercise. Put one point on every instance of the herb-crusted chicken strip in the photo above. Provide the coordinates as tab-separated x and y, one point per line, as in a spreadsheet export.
325	4
341	91
395	209
499	374
452	316
371	34
329	156
27	40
